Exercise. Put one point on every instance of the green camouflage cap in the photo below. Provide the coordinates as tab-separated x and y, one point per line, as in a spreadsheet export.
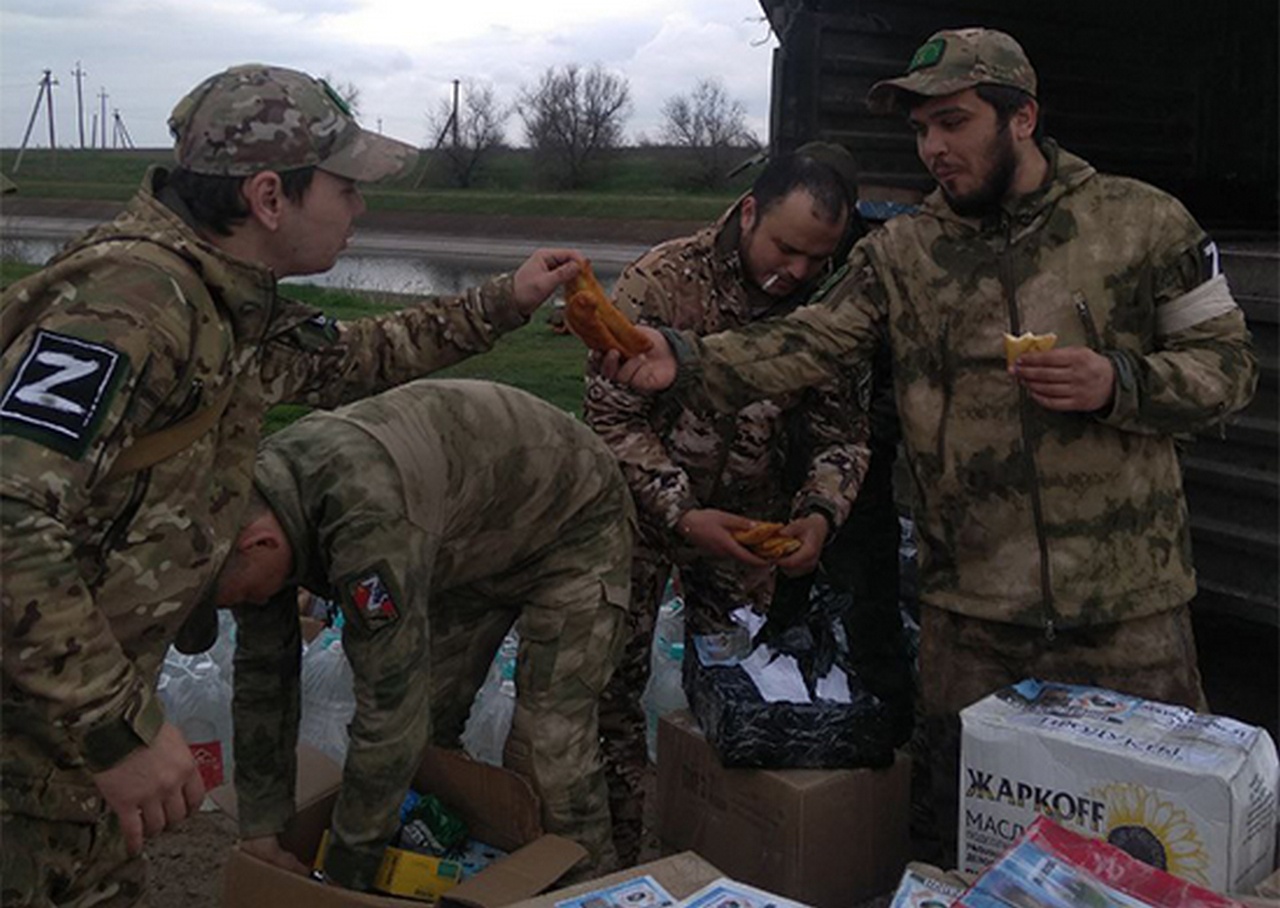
253	118
953	60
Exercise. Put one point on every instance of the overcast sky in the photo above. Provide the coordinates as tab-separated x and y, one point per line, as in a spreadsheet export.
400	54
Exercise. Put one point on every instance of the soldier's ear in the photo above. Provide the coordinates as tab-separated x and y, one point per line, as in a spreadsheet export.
263	532
748	213
1023	120
264	197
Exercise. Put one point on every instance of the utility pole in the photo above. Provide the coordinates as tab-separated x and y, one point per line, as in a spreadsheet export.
120	136
44	93
48	103
450	124
102	96
93	134
79	74
454	116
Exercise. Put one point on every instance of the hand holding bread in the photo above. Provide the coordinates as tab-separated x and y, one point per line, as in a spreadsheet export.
598	323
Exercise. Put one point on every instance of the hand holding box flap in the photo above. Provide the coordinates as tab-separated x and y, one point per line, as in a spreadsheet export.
493	801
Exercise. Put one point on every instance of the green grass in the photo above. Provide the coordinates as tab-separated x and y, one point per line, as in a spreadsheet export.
12	271
633	183
534	358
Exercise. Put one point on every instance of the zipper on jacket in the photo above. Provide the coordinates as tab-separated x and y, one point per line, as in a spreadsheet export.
142	481
948	385
1024	404
1086	320
120	525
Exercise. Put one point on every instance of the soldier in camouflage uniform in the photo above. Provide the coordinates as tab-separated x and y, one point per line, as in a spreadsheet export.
136	368
697	476
1051	518
436	515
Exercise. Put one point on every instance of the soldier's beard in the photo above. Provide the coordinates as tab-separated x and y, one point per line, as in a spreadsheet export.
1003	164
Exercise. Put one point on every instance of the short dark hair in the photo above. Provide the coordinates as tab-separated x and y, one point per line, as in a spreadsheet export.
1007	101
215	201
789	172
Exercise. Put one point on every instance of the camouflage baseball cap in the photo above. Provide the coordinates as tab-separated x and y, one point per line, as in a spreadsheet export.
953	60
253	118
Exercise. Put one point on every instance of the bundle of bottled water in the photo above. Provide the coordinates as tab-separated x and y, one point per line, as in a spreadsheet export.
664	691
489	722
328	695
196	694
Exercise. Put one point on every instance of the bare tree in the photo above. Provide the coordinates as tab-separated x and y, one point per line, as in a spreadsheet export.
573	117
347	91
464	146
712	125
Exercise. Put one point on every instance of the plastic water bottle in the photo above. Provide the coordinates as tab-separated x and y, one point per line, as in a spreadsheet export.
664	692
198	701
489	722
328	696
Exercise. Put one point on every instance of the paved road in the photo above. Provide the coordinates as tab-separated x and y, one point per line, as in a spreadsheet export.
368	242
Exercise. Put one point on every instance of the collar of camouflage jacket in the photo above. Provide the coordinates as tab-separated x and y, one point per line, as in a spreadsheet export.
1067	172
244	291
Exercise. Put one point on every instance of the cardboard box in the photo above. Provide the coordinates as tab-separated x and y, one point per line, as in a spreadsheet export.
1192	794
680	874
499	808
825	837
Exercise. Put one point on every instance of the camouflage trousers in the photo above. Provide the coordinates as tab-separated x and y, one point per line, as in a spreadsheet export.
46	863
622	718
964	659
570	609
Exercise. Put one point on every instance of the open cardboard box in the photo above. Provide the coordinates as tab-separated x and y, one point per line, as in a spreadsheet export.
499	807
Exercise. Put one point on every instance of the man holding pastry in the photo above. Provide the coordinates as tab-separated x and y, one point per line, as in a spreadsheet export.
1051	519
729	499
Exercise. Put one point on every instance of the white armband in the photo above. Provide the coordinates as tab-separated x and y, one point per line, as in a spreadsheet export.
1209	300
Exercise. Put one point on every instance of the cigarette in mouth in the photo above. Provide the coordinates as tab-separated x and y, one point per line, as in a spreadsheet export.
770	281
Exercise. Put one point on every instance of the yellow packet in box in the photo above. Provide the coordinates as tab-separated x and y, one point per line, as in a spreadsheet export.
407	873
416	876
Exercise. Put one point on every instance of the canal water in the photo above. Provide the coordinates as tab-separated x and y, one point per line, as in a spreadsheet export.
417	274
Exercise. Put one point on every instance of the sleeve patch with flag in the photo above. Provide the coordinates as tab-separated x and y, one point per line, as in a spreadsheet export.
372	600
60	390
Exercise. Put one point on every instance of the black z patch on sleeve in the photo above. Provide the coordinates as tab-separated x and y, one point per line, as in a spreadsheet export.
60	391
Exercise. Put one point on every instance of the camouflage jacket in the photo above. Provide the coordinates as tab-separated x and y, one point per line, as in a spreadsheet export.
391	505
677	457
133	327
1025	515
